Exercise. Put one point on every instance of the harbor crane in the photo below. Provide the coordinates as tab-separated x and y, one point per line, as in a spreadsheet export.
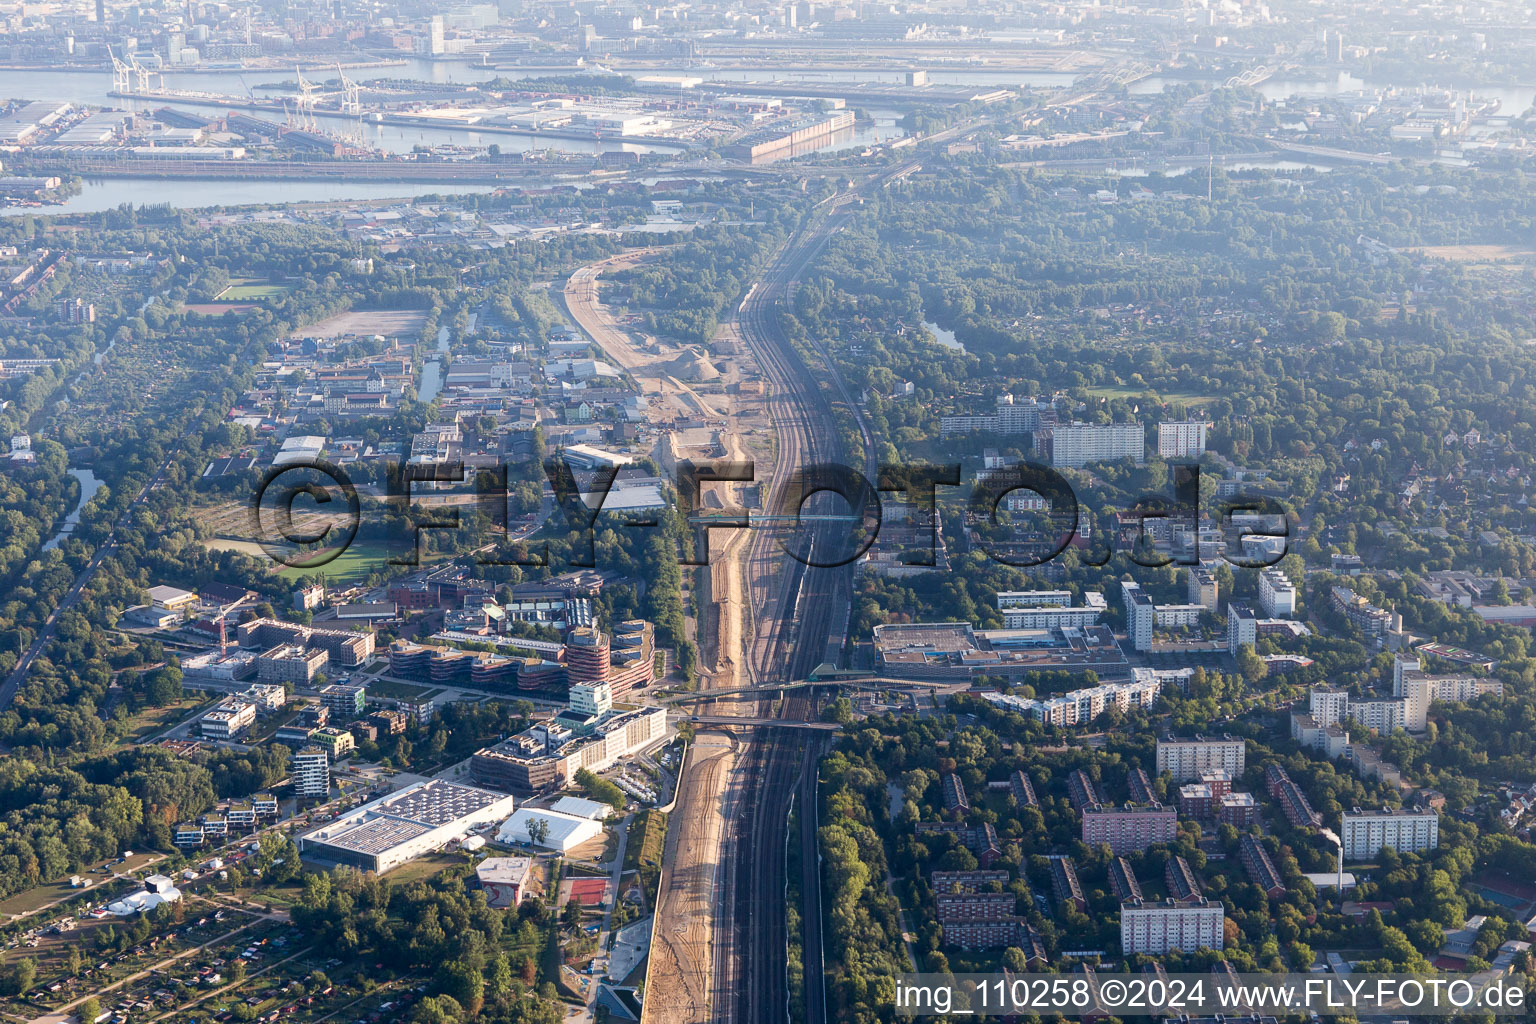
351	107
306	102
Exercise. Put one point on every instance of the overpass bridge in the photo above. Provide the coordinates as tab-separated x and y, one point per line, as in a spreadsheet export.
775	723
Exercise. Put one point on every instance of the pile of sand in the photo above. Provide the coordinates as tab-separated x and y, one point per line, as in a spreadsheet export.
693	365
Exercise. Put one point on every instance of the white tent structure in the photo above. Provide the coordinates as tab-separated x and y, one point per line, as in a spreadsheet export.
565	831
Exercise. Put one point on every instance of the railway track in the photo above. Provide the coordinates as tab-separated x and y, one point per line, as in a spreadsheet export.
780	768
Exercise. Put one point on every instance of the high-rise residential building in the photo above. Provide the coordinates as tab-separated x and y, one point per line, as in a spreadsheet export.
1204	589
311	771
1184	925
1129	829
1277	594
1329	706
1182	439
1072	445
1188	758
1366	833
1242	626
1381	714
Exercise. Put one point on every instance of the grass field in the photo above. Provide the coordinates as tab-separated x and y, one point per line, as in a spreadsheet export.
252	290
400	691
1126	391
355	563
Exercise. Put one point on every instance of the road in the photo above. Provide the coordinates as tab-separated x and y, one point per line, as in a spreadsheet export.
72	597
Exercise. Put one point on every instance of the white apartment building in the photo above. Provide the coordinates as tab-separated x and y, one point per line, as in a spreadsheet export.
1081	706
1184	925
1366	833
1072	445
1242	626
311	770
1329	707
1187	759
1142	617
1382	714
1277	594
1043	609
228	720
1182	439
1007	599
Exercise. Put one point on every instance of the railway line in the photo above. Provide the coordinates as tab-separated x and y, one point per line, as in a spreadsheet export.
806	617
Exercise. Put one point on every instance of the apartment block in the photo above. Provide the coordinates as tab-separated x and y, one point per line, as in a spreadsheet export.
311	770
1203	589
1073	445
1131	828
1064	882
1082	791
1122	880
1366	833
1187	759
1182	439
1277	594
1184	925
1180	879
1260	868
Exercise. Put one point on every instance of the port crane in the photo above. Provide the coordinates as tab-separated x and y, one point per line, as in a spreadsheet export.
351	107
306	103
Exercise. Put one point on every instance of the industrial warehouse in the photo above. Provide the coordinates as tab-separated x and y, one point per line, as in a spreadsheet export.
417	820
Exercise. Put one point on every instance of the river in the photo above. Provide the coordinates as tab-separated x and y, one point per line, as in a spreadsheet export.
432	373
89	485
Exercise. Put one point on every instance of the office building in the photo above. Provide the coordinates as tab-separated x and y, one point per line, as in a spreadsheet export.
586	656
228	720
345	647
548	755
291	663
